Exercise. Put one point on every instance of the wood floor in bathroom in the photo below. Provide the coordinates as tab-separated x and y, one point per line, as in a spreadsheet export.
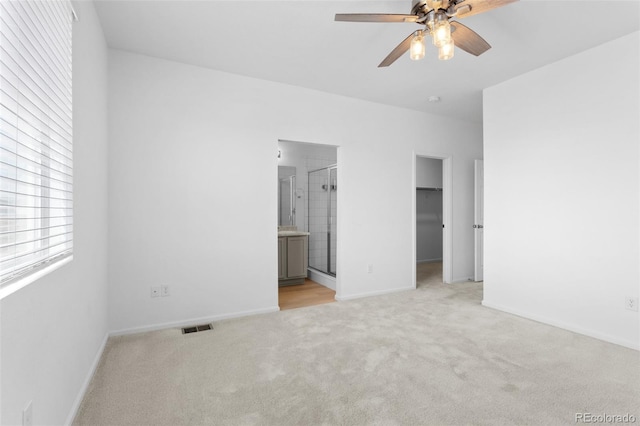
308	294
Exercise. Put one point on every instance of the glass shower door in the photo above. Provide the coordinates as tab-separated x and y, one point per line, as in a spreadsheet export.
317	214
333	219
322	219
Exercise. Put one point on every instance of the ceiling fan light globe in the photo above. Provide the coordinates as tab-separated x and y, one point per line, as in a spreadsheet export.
445	52
417	49
441	33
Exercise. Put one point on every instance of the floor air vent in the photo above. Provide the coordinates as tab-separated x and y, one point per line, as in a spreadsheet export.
196	328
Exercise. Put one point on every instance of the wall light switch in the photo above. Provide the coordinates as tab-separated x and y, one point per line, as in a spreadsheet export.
155	291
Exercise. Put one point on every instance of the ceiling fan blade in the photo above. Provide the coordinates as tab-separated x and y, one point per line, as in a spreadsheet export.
468	40
397	52
468	8
374	17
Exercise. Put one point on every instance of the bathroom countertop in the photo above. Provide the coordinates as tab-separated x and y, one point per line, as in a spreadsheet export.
292	233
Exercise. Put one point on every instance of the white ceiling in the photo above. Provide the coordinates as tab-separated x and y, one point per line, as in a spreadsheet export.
298	43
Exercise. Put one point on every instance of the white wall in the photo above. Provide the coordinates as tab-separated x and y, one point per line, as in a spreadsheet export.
562	192
177	134
53	329
428	210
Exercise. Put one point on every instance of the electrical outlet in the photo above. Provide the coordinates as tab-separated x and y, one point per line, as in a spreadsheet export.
164	291
27	415
155	291
370	269
631	303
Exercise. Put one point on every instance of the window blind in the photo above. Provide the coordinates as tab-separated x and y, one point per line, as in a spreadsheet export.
36	167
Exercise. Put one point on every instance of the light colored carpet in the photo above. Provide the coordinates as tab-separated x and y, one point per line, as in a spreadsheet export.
433	356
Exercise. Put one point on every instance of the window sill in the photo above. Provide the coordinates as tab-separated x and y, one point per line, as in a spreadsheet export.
28	279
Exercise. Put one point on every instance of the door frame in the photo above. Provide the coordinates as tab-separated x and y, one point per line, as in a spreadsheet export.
478	220
340	200
447	214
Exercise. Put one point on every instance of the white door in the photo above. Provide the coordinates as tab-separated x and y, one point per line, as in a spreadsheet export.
478	220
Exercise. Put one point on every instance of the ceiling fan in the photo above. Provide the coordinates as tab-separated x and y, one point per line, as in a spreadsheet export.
436	16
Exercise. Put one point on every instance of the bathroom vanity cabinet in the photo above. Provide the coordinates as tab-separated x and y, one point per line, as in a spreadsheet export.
292	259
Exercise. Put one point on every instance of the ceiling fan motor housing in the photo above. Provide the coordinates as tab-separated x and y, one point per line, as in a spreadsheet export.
422	8
419	7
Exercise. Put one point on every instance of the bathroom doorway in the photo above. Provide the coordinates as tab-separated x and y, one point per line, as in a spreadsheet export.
307	201
432	210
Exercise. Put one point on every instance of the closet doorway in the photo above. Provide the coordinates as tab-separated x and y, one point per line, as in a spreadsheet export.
432	210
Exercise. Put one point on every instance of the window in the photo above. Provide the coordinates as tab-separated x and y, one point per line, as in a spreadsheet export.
36	169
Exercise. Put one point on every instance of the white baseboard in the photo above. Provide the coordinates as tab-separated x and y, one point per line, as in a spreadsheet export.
372	293
566	326
87	382
191	321
462	280
324	279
